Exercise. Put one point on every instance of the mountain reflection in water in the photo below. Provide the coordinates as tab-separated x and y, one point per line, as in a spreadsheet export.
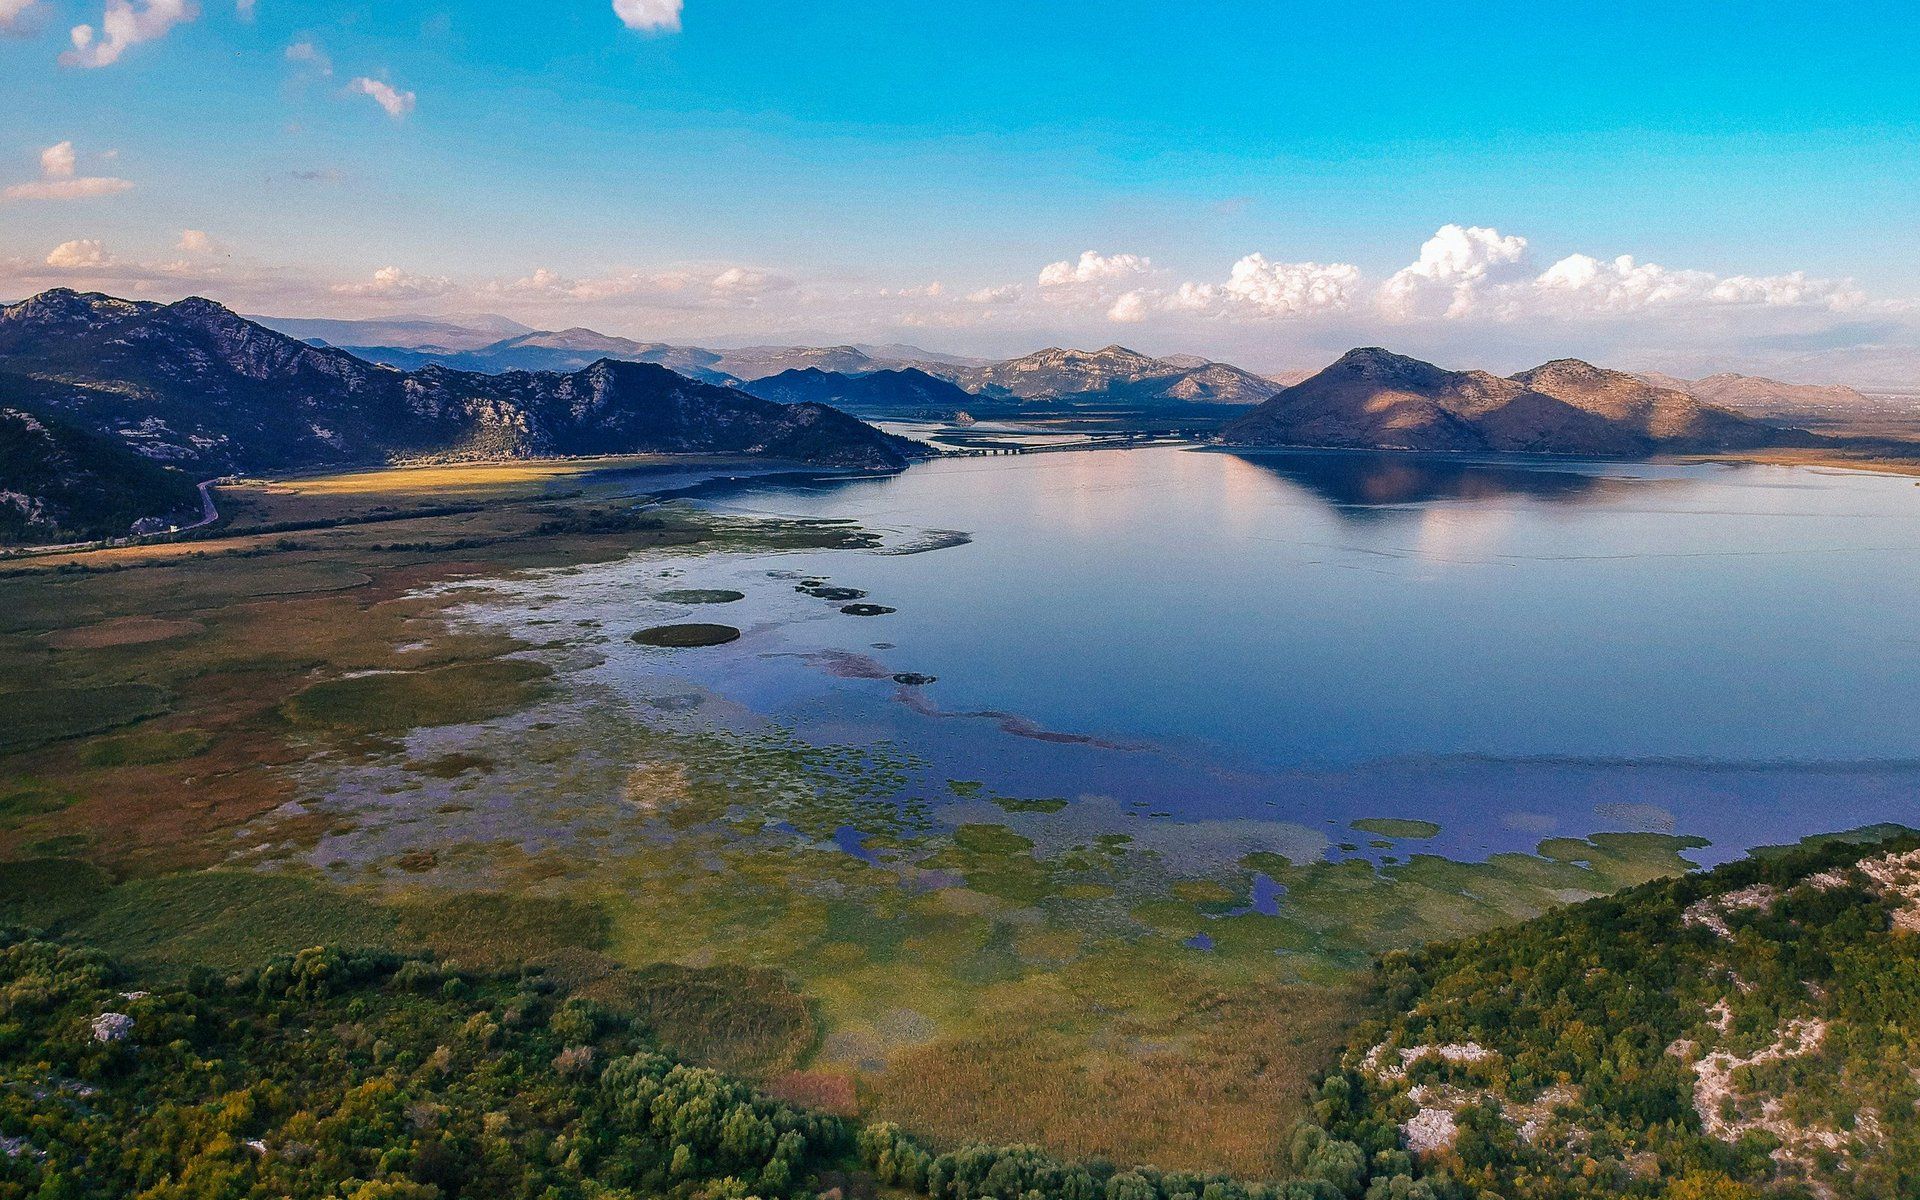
1369	482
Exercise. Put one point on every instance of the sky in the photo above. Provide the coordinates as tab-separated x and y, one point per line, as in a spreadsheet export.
1677	185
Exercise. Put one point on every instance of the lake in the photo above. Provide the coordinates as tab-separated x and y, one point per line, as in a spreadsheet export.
1509	649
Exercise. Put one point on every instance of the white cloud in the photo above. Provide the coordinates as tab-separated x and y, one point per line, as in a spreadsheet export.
1094	268
244	9
1259	287
392	283
1129	309
745	280
649	16
307	51
15	15
58	181
1456	265
397	103
125	23
57	161
79	255
1581	283
1005	294
198	241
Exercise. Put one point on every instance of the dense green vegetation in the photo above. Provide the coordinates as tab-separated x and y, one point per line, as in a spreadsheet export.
373	1076
332	1073
1751	1031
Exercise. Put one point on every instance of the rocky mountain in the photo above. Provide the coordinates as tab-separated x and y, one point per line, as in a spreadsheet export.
1116	374
61	482
195	384
892	392
1374	399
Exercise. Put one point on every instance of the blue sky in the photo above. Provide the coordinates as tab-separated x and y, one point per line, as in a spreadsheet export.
811	171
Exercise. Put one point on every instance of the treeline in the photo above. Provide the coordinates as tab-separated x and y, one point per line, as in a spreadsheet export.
362	1076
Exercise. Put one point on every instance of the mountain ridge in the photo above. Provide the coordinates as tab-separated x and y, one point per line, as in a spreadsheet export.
196	384
1372	398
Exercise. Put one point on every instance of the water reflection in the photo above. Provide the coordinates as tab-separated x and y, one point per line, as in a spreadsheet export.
1362	485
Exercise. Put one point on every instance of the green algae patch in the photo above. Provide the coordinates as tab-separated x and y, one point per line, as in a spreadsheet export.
1397	827
32	798
743	1020
147	748
701	596
38	716
230	920
687	637
44	893
395	702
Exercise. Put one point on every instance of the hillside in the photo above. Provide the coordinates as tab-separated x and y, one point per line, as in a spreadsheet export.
62	483
1752	1031
1374	399
891	392
192	383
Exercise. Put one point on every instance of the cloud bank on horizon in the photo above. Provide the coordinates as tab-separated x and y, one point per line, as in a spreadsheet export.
729	271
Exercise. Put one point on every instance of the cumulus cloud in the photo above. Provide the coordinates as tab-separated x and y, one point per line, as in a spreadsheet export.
1094	268
1456	266
397	103
198	242
1130	308
393	283
649	16
58	161
59	180
1583	283
1259	287
124	24
1005	294
79	255
16	16
308	53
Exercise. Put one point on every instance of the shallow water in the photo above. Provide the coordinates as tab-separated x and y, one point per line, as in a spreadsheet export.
1240	650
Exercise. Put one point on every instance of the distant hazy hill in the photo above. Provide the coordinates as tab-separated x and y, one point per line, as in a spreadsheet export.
893	391
1117	374
193	383
560	350
453	333
1375	399
61	482
1761	397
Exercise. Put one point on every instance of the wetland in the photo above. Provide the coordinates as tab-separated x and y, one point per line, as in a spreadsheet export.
1054	798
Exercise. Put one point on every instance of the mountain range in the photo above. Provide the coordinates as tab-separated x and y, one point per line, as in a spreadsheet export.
194	386
1375	399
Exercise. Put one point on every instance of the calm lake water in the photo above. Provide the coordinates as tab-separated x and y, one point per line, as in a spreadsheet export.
1510	650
